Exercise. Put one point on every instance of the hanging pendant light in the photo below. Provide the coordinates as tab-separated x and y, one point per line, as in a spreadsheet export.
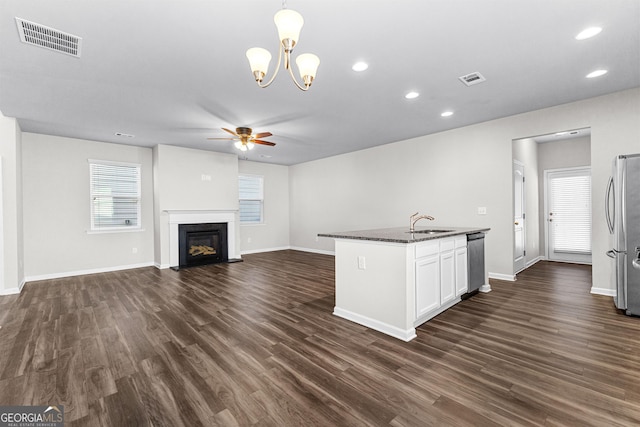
289	23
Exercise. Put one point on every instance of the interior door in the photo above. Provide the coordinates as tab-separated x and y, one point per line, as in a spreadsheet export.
518	217
568	214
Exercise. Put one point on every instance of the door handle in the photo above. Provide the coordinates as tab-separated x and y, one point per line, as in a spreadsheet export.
610	219
516	223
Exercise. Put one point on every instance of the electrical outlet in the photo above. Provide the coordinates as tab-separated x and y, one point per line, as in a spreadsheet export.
362	264
316	238
482	210
134	250
248	239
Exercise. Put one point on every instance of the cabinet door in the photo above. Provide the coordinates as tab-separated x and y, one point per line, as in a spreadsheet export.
427	284
447	276
462	278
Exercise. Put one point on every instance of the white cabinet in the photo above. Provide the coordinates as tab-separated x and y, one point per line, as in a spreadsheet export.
462	276
427	279
427	271
447	276
440	274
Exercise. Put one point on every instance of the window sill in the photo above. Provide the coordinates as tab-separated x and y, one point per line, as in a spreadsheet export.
116	230
252	224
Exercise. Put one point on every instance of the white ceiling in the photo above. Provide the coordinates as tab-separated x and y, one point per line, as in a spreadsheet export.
175	72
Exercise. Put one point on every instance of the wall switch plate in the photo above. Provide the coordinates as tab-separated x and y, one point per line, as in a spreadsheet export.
134	250
362	265
248	239
482	210
205	177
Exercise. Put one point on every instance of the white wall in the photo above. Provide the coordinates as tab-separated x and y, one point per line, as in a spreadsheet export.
450	174
567	153
274	232
57	209
11	212
526	152
187	179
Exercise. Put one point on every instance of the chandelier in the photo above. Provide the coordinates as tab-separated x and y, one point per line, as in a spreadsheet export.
289	24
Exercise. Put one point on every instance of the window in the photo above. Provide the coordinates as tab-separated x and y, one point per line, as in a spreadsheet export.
115	195
251	199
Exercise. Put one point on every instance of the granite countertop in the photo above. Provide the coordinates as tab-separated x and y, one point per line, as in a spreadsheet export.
402	234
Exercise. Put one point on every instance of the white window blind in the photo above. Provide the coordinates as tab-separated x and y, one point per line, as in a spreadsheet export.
251	199
571	207
115	195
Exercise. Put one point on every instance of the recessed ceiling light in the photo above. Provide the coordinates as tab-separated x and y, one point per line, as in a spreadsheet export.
561	133
447	114
588	33
412	95
360	66
596	73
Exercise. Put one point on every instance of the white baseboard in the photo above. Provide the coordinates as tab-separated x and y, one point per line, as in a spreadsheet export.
385	328
13	291
258	251
500	276
161	266
535	260
315	251
83	272
604	291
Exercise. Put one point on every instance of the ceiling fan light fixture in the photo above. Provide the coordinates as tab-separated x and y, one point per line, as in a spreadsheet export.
250	145
238	145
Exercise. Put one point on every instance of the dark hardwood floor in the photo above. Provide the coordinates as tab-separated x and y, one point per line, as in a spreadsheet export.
255	343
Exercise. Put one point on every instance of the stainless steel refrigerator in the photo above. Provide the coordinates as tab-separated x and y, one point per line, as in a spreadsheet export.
622	206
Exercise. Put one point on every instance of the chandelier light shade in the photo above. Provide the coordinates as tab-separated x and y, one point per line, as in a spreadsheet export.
289	23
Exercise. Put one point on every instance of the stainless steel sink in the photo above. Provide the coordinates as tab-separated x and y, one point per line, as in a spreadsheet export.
429	231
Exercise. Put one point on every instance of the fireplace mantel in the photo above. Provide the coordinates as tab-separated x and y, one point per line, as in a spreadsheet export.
177	217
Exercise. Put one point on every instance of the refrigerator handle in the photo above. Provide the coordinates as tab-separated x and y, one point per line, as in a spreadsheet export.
607	204
611	254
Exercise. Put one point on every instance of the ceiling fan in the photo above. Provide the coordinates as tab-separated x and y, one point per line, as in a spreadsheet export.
245	139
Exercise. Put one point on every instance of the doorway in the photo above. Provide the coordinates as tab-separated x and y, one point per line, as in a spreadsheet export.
567	207
519	251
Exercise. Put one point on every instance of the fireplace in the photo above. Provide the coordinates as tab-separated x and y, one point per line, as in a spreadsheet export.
200	244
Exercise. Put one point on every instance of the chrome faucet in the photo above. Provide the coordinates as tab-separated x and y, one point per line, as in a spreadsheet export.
415	218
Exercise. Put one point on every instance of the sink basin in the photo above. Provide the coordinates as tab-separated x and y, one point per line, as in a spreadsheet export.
429	231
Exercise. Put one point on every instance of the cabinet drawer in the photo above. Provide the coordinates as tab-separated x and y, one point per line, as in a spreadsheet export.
461	241
427	248
447	244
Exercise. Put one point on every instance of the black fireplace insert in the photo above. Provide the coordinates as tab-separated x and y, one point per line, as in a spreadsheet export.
201	244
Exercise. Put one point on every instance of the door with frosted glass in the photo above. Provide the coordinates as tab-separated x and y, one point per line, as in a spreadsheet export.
568	215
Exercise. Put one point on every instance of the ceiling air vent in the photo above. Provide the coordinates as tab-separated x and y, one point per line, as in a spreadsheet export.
48	38
472	79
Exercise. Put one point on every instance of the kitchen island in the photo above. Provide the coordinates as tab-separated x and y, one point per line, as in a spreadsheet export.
393	280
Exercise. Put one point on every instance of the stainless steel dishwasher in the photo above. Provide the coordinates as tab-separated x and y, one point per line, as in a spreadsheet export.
475	263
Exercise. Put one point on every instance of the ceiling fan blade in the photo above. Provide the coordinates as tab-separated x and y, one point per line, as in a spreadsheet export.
263	134
257	141
230	131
